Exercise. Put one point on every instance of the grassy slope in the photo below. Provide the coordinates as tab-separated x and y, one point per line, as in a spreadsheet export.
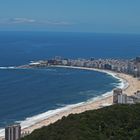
118	122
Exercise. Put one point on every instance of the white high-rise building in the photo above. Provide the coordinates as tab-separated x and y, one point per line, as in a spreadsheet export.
13	132
122	99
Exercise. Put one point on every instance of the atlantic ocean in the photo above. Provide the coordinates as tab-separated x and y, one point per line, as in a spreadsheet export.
18	48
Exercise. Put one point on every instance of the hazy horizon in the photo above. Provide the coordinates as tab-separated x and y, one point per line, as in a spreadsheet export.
96	16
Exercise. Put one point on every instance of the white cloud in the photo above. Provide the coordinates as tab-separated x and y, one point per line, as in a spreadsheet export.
19	20
16	20
49	22
22	20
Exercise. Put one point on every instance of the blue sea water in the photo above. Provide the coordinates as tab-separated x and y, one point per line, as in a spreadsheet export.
28	92
18	48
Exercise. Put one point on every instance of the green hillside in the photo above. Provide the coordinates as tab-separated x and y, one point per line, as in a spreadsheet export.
118	122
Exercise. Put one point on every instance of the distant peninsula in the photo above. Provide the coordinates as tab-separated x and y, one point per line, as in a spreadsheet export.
127	66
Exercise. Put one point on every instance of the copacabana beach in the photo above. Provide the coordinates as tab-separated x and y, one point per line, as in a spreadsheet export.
43	93
129	85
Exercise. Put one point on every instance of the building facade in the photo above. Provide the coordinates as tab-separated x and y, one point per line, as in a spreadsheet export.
13	132
122	99
116	92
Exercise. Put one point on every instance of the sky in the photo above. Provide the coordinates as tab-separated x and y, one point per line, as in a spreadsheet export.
100	16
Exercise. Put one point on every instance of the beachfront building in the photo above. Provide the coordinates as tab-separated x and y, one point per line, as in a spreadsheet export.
137	93
122	99
13	132
131	99
116	93
65	62
25	133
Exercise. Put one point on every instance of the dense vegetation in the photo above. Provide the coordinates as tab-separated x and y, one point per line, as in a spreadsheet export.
118	122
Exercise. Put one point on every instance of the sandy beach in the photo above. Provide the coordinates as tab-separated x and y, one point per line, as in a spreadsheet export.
133	85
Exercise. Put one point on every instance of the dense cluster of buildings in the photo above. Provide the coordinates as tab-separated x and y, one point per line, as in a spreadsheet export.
119	65
121	98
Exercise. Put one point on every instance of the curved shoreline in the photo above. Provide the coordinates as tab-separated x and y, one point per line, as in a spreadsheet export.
95	103
124	82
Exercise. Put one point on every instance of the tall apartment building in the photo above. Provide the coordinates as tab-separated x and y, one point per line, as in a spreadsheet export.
122	99
13	132
116	92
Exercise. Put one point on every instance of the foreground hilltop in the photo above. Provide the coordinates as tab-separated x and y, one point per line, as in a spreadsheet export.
117	122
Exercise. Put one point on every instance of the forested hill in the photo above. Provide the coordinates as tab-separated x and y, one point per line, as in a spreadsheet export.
117	122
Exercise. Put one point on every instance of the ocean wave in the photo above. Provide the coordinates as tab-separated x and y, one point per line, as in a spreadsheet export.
48	69
87	92
122	83
7	68
60	105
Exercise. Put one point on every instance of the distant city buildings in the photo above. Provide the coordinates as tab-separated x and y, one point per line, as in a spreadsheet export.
131	66
13	132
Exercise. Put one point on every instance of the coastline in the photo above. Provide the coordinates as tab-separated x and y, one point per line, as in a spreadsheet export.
130	85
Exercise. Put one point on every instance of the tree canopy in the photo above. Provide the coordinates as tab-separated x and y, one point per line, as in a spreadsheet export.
117	122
